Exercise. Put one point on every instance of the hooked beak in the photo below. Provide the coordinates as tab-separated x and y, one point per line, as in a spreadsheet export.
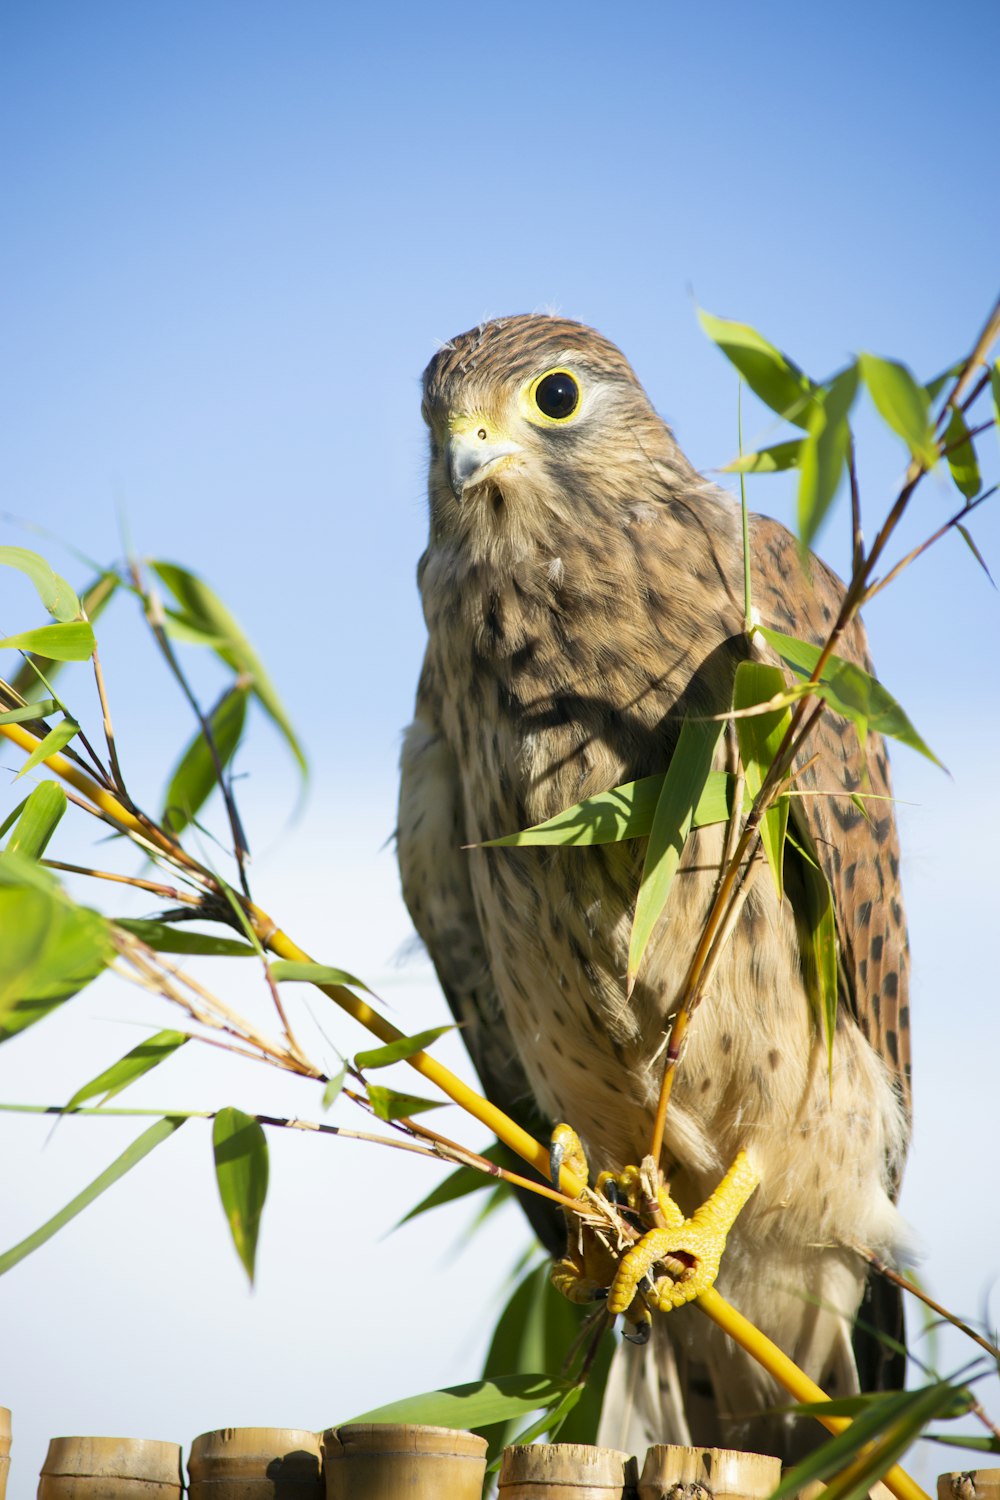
472	455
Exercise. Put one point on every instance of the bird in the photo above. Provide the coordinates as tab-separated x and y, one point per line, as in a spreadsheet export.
583	593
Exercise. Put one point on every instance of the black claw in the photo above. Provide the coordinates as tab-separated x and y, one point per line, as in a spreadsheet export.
641	1335
600	1294
610	1191
556	1154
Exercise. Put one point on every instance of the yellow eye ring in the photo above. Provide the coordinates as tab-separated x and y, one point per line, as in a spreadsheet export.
554	397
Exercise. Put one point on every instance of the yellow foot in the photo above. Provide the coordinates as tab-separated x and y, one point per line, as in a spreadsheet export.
586	1269
690	1248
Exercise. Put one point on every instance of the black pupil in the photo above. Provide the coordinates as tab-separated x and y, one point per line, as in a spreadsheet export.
557	395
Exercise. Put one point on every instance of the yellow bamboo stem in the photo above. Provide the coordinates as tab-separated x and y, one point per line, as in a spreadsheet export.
711	1303
795	1381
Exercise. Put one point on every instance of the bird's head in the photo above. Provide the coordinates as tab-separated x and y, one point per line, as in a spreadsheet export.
536	421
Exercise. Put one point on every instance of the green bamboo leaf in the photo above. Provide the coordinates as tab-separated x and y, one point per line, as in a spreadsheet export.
626	812
495	1198
683	785
333	1087
936	386
849	690
461	1182
584	1421
477	1404
166	937
37	820
842	1406
194	777
823	460
406	1046
969	541
129	1158
387	1104
880	1408
127	1069
58	736
92	601
206	612
768	460
54	592
241	1170
995	388
29	711
977	1444
70	642
962	459
12	817
518	1343
760	736
181	627
550	1423
924	1406
902	403
291	971
51	948
771	375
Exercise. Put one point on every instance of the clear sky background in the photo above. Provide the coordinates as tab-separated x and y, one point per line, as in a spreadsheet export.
233	235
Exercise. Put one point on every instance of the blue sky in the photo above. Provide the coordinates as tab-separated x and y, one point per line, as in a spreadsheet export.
234	234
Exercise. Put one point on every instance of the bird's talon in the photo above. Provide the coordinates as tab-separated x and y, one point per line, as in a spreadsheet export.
641	1334
694	1245
565	1149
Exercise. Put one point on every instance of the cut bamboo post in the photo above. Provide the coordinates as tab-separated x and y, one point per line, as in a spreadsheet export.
256	1463
4	1450
566	1471
402	1461
109	1468
675	1473
972	1484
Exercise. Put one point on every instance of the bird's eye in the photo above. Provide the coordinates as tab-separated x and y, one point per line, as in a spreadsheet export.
556	395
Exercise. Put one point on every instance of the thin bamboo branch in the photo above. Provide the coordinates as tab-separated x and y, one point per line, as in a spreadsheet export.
109	733
168	892
907	1285
155	619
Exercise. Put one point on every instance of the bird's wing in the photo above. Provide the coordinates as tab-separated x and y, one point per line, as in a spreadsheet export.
438	893
858	851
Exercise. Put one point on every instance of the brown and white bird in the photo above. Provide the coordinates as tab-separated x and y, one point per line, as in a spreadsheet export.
583	591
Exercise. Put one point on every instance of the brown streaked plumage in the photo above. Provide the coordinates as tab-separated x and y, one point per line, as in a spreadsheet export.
583	591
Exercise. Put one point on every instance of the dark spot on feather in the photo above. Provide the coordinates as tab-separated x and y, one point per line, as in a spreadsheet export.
890	986
523	658
845	814
892	1047
726	1042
